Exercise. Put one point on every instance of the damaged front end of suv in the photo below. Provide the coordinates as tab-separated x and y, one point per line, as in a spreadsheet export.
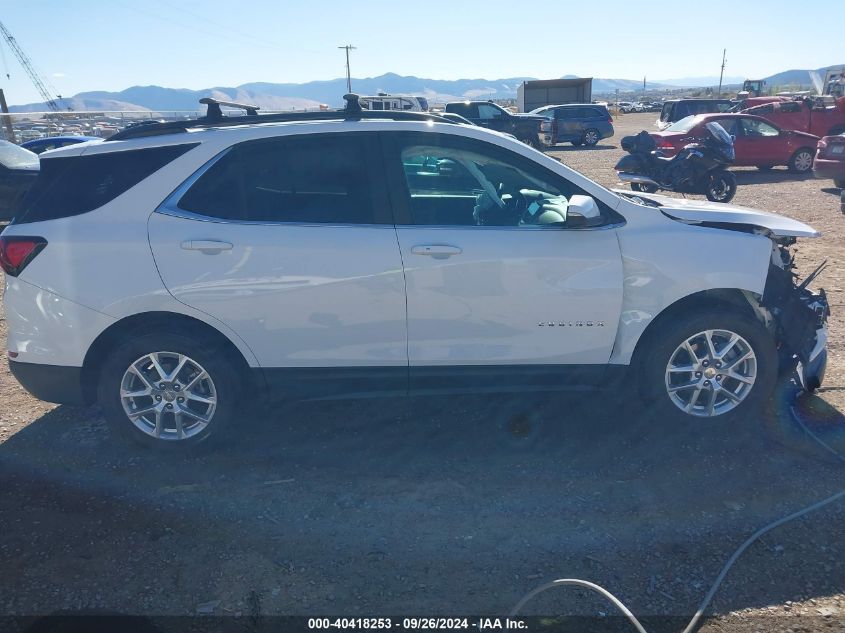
797	316
794	315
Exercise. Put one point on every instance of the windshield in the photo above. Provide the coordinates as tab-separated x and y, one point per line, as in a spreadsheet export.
15	157
684	125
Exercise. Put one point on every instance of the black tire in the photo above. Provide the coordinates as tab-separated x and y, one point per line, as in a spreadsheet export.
801	162
659	346
591	137
721	186
576	143
227	386
531	142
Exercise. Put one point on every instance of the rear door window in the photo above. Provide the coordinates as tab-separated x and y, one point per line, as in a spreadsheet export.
666	112
314	179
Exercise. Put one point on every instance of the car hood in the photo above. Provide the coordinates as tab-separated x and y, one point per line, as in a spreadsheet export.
702	212
805	135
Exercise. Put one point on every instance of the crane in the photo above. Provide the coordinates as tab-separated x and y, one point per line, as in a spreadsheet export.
30	70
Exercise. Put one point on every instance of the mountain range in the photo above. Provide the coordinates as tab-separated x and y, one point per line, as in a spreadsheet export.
286	96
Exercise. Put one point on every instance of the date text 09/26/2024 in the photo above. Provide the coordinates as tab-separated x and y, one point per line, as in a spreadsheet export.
419	623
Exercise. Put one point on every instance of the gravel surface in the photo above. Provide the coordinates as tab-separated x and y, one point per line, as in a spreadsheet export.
430	507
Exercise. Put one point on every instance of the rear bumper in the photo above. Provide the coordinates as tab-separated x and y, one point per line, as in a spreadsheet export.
51	383
824	168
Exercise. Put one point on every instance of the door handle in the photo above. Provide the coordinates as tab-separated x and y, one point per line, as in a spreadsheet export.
437	251
206	246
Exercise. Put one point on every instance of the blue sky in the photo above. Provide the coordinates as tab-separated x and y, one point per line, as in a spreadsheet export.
85	45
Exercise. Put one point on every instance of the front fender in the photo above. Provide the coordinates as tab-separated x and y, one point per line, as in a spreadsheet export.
666	263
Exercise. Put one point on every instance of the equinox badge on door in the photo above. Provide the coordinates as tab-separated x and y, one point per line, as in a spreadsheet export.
571	324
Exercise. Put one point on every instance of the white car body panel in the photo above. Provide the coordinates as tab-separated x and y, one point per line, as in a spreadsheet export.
511	296
325	299
702	211
47	329
299	295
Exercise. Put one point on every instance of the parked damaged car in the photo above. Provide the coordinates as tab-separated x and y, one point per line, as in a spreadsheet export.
178	270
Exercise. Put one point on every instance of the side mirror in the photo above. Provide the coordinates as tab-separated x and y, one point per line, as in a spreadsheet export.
584	206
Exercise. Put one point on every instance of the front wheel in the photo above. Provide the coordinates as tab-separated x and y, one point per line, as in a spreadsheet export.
721	186
801	161
720	363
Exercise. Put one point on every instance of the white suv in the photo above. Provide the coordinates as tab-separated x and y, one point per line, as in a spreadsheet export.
172	269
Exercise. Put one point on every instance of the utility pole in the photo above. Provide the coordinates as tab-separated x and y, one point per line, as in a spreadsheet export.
722	74
348	48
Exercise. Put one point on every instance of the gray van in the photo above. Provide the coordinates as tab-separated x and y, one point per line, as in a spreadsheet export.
676	109
579	123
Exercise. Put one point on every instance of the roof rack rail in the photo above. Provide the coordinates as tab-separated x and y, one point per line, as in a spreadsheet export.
214	118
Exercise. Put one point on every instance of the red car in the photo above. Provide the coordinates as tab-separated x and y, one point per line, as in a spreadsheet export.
830	159
757	142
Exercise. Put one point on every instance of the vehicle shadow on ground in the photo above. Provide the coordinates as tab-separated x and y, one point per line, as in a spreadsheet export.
775	175
836	191
457	505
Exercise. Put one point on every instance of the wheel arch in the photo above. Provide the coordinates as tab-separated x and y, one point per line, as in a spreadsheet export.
732	299
147	322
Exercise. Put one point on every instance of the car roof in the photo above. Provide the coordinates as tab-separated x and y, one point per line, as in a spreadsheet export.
53	139
225	136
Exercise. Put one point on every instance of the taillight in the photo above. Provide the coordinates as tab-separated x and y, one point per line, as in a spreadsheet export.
609	119
16	251
664	145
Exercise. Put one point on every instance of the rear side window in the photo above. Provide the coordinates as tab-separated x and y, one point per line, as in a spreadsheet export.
77	184
666	112
314	179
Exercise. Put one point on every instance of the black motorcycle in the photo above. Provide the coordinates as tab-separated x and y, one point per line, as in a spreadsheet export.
700	167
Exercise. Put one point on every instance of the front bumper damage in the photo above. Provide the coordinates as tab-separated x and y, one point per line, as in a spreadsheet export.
799	322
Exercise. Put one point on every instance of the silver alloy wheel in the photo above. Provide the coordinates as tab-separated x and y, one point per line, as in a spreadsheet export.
591	137
803	161
711	373
168	396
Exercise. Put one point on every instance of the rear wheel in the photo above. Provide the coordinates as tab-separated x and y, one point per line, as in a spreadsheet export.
169	391
721	186
802	161
719	364
591	137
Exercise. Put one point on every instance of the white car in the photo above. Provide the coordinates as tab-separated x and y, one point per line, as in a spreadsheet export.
175	270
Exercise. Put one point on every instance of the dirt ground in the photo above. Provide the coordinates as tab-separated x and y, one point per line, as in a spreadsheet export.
419	507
